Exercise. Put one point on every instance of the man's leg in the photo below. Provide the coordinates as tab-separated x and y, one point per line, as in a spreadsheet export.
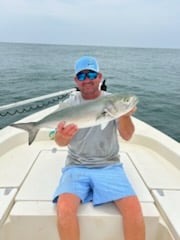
133	222
67	222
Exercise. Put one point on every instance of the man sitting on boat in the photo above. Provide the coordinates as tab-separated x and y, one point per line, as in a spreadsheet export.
93	171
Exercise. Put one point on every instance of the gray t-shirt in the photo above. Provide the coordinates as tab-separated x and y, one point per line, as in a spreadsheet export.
93	147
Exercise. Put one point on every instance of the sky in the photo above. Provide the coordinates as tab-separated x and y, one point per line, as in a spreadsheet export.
125	23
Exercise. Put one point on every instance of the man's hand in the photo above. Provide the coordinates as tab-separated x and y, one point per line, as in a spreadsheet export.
64	133
125	125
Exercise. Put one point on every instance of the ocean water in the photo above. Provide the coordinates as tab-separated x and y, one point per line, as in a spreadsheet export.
31	70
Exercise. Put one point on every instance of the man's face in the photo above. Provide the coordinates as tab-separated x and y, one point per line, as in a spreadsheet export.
88	81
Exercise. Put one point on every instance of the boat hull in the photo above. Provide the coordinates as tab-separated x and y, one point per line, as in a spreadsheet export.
29	174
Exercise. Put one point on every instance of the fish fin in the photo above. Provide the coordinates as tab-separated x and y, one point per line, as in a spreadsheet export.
104	125
110	109
30	127
106	114
104	118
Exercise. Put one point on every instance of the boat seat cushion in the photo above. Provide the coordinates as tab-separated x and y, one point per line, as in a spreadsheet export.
42	181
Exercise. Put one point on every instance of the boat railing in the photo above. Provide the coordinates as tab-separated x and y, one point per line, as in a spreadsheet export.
29	106
36	99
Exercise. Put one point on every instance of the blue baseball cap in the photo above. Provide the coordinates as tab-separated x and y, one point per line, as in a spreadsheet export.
86	63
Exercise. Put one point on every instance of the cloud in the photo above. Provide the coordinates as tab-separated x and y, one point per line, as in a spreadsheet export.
78	10
95	21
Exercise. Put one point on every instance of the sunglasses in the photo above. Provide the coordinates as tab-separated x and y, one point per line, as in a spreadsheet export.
81	76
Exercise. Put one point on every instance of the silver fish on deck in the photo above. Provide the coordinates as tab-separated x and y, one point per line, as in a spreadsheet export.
92	113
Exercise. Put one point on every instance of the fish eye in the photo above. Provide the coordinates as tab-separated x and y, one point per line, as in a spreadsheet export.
126	99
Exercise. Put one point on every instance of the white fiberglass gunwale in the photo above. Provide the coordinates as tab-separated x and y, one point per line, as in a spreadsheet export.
29	174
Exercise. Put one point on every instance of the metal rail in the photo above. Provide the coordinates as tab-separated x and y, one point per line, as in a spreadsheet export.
36	99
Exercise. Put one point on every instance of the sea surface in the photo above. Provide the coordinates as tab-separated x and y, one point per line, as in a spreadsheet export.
31	70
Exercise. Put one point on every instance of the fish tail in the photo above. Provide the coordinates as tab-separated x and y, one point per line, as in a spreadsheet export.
30	127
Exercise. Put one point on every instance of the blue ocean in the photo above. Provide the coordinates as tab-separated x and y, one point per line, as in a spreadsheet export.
31	70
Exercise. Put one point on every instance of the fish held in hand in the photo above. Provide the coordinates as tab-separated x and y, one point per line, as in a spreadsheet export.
95	112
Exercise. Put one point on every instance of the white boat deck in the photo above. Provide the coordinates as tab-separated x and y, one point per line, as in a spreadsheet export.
29	175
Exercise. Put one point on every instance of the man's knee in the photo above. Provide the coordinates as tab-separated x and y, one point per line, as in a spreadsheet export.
129	205
67	206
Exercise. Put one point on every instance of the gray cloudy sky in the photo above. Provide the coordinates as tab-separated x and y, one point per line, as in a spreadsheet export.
135	23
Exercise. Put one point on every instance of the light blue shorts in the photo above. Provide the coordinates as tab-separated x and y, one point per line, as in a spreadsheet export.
100	185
